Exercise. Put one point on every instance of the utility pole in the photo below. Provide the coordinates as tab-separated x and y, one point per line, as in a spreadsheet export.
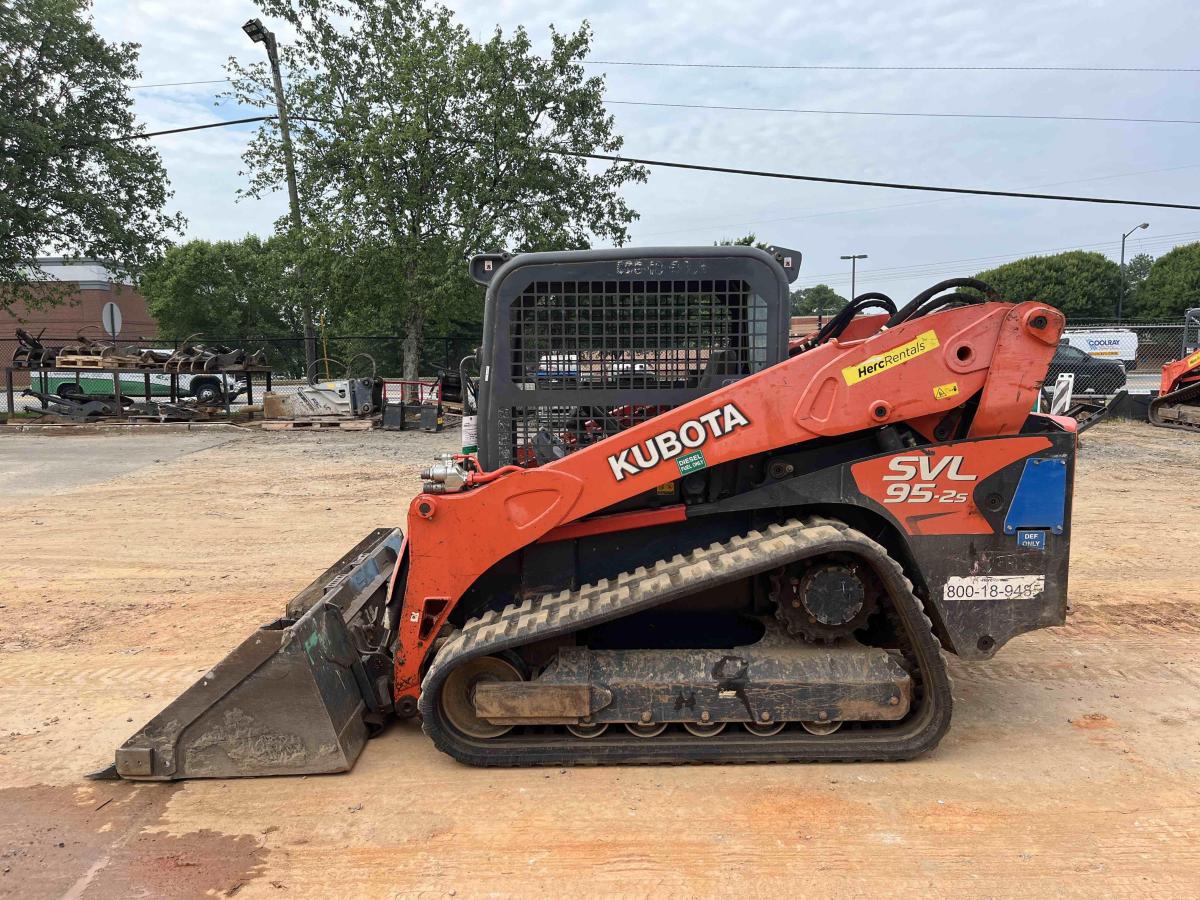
853	272
258	33
1121	289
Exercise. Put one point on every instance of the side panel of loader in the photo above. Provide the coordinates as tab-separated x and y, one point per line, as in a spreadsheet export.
985	525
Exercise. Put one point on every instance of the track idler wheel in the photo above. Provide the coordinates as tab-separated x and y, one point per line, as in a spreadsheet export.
458	696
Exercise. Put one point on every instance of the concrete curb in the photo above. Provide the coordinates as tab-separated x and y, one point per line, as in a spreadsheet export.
66	429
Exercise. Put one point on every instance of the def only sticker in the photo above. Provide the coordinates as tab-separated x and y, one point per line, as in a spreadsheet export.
1031	539
994	587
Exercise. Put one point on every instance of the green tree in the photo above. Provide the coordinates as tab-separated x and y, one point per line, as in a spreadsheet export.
1081	284
66	186
749	240
1172	286
1136	271
417	145
223	289
818	299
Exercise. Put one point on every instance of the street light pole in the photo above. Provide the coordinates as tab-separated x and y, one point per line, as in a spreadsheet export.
1121	289
853	272
258	33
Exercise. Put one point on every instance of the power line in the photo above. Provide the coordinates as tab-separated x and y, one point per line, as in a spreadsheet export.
827	68
930	267
820	112
138	87
150	134
858	182
844	212
727	170
913	115
922	269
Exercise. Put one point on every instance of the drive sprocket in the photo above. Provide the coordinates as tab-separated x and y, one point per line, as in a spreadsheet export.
823	599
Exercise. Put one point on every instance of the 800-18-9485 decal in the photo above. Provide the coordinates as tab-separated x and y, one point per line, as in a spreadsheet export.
994	587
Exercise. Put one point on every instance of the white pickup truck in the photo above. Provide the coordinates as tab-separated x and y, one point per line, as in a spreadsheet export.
208	389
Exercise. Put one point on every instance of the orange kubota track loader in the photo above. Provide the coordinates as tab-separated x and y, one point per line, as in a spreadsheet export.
1178	402
682	540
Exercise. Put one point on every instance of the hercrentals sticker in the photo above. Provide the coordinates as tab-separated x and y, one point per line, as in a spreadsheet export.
690	436
881	362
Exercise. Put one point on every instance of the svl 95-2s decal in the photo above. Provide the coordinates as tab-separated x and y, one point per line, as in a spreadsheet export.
932	490
916	479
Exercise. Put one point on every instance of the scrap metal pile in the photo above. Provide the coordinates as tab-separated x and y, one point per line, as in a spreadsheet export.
131	368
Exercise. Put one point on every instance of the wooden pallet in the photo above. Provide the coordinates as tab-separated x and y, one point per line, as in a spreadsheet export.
70	361
319	425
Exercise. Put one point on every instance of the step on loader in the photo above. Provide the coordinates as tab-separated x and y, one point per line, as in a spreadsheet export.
682	540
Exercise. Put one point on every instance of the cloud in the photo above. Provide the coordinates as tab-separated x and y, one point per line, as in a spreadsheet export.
183	42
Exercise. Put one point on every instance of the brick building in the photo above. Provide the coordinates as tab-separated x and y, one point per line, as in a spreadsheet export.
93	286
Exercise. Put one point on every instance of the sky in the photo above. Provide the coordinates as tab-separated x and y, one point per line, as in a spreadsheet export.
911	239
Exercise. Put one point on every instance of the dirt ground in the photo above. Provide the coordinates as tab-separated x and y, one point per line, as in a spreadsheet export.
1072	769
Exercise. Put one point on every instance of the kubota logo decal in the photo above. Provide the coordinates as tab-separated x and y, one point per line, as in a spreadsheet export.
689	436
881	362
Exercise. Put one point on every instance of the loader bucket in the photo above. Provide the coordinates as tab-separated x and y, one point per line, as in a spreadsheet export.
289	700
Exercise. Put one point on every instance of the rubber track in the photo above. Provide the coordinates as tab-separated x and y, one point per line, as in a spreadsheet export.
1192	391
553	615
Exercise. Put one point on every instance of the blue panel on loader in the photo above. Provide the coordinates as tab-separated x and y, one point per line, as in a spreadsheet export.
1041	497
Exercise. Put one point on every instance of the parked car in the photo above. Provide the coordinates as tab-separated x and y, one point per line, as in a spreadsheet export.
1092	375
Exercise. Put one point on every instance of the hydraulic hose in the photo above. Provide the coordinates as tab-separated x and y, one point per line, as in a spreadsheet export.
914	306
839	322
870	300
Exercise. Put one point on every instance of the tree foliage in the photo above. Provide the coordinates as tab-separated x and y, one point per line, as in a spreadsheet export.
748	240
1081	284
1137	269
417	146
223	289
818	299
1172	285
65	186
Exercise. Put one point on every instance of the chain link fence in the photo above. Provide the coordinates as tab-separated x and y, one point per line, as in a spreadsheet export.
359	354
1104	357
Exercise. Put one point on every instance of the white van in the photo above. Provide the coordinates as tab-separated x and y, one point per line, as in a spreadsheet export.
1106	343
